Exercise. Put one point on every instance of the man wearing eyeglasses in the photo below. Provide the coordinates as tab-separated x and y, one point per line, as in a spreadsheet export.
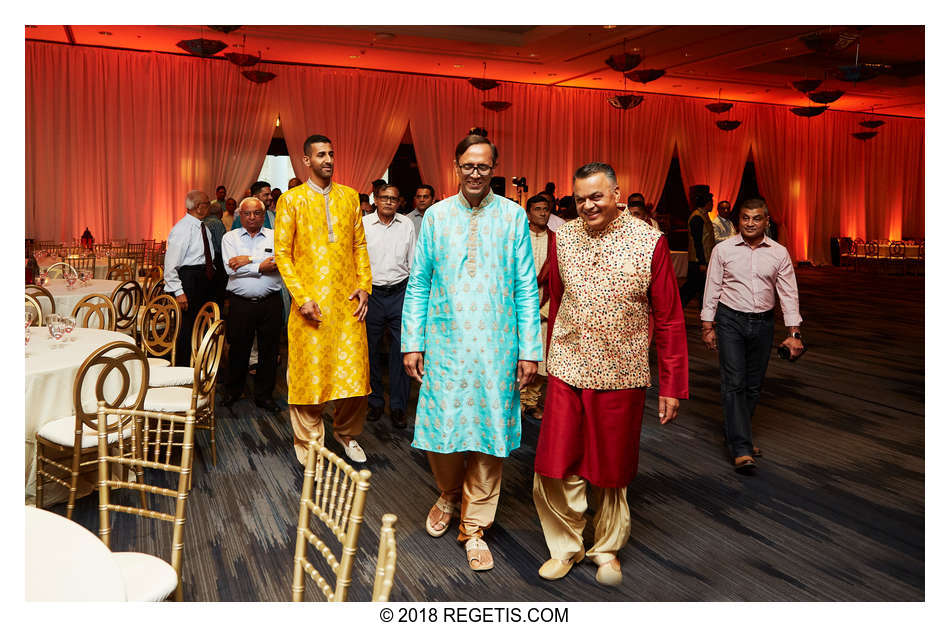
320	247
391	242
256	309
471	336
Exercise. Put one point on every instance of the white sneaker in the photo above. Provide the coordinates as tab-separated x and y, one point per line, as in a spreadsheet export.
352	449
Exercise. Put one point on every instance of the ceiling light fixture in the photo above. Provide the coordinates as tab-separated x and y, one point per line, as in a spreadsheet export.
385	36
202	47
624	102
611	27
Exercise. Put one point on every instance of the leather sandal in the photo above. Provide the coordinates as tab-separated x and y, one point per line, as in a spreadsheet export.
744	464
556	569
472	547
444	507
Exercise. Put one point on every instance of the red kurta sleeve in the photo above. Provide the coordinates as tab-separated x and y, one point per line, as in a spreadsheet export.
555	287
669	326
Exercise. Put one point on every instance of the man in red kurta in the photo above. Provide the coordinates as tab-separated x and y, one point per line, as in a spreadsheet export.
608	271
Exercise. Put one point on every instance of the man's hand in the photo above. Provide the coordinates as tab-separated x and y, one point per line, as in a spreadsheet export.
702	267
182	302
526	372
268	265
668	407
709	338
236	262
795	346
363	306
311	311
414	363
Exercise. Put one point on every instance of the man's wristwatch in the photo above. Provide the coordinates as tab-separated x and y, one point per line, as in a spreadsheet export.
796	335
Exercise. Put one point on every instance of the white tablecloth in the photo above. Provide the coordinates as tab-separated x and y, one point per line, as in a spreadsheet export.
50	374
66	298
100	271
67	562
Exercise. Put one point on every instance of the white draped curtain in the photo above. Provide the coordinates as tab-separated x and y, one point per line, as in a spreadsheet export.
116	138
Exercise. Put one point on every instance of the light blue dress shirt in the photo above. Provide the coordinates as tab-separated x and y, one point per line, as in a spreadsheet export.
248	281
184	248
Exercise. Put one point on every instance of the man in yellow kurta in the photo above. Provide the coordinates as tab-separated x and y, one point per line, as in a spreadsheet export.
320	251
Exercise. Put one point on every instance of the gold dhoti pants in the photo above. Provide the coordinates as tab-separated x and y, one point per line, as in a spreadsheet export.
348	418
561	504
473	480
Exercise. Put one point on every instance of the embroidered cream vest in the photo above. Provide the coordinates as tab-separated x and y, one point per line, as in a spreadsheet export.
601	339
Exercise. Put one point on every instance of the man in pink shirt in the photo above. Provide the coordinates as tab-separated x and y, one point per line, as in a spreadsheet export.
745	272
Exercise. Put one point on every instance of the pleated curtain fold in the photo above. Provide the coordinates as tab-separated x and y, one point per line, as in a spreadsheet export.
115	139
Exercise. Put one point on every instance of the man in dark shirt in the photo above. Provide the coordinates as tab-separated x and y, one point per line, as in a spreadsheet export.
701	242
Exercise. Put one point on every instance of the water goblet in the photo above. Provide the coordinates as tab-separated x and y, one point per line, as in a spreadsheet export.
70	280
28	317
69	323
83	277
43	279
55	328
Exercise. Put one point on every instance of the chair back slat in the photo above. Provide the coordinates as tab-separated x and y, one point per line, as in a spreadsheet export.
386	560
207	315
115	376
31	303
39	293
159	326
127	299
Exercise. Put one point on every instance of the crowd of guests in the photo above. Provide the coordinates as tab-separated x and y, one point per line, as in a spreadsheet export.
499	312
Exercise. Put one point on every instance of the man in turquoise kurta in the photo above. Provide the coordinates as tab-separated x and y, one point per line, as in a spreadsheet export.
471	335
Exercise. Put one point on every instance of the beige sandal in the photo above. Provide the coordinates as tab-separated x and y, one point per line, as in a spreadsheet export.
472	547
445	507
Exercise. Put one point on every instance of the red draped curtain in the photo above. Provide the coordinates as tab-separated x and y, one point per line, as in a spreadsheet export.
115	139
363	113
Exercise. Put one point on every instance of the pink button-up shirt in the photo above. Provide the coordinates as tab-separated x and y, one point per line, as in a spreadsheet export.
746	279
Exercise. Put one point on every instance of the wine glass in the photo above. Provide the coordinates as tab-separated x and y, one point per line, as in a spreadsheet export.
69	323
70	280
43	279
83	277
28	317
56	331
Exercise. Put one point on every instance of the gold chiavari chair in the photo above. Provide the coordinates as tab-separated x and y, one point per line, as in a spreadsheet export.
31	303
47	244
153	259
102	250
67	446
82	262
386	560
335	493
159	323
147	577
182	375
98	305
200	396
37	292
154	284
127	298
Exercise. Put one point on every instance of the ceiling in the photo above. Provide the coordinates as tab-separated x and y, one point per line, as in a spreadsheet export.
747	63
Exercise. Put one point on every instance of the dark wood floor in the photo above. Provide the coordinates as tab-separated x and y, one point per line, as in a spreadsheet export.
836	511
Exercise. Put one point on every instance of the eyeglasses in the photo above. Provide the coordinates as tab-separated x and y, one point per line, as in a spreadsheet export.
387	198
468	168
256	214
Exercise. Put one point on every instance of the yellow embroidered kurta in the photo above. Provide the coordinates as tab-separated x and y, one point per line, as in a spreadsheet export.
328	361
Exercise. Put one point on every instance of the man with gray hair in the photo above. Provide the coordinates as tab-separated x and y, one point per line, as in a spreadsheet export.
254	286
189	268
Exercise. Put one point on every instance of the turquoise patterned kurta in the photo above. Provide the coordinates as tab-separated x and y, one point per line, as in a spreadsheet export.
472	307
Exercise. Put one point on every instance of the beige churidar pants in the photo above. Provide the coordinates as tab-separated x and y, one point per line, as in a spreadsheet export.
348	418
561	504
472	479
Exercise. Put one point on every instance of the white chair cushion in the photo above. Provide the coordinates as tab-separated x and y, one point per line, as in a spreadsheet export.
156	362
170	399
170	376
146	577
62	431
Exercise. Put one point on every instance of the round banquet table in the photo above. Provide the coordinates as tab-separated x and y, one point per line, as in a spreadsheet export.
67	562
66	298
100	270
50	374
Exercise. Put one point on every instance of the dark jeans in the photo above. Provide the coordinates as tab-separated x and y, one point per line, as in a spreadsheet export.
245	320
745	344
199	290
695	284
385	312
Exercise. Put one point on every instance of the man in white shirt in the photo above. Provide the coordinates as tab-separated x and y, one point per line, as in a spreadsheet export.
723	228
189	268
256	310
391	242
554	221
425	196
